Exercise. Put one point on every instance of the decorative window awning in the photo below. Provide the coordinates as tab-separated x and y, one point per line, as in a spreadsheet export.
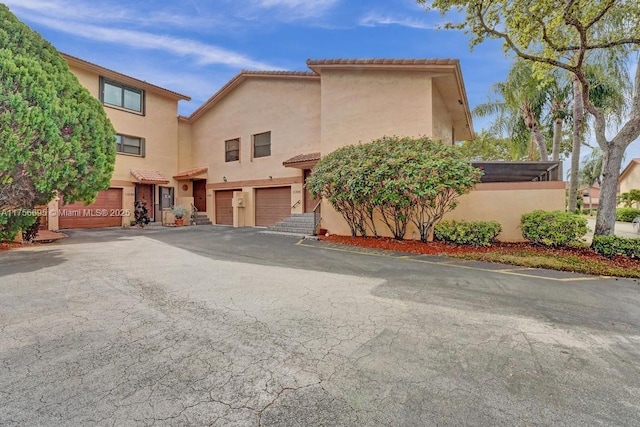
191	173
302	161
149	177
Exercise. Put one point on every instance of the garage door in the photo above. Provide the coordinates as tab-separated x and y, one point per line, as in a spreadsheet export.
105	212
224	208
272	205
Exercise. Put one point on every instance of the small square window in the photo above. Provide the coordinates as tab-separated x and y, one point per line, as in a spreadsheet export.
262	144
232	150
130	145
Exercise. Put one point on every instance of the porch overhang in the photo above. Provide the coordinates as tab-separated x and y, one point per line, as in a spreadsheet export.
188	174
519	171
148	177
302	161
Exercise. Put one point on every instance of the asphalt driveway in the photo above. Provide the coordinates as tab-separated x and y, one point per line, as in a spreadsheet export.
214	326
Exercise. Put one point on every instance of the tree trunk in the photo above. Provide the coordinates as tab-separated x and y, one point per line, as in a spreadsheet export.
613	152
611	162
530	120
542	146
578	127
557	138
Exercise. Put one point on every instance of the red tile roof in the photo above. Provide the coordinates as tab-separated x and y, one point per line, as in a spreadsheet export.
301	158
278	73
149	177
191	172
382	61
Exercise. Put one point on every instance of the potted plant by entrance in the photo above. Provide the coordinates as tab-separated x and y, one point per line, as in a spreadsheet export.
179	212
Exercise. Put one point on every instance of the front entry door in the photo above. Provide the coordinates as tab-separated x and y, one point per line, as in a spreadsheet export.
144	192
200	195
309	202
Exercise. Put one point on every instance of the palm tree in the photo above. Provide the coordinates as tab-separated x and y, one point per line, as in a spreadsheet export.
519	104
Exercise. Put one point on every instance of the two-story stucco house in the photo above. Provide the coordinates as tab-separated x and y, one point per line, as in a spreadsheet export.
242	157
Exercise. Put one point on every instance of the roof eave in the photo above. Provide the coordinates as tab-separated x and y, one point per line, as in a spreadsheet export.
123	78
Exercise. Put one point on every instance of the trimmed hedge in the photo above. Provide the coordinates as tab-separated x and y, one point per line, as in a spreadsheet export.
476	233
626	214
611	246
556	228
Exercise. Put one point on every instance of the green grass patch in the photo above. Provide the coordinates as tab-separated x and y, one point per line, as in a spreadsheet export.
570	263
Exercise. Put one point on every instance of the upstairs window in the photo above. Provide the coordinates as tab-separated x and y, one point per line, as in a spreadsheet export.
232	150
130	145
119	95
262	144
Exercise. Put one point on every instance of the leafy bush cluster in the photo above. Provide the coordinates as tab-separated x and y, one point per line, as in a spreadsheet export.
401	180
11	224
611	246
476	233
629	199
626	214
554	228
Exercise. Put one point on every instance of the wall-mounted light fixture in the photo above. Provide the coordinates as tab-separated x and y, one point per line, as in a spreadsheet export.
224	178
270	177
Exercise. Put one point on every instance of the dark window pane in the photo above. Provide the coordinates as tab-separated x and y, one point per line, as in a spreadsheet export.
112	94
262	144
132	100
232	150
232	156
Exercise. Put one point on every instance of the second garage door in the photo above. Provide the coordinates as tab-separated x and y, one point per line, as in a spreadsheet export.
224	208
106	211
272	205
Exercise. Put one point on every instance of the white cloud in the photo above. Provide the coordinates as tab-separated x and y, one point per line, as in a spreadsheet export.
288	10
375	20
204	54
96	13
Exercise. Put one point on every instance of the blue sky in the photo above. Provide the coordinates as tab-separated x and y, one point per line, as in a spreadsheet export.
195	46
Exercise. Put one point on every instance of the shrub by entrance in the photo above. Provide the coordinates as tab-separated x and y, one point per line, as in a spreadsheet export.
402	180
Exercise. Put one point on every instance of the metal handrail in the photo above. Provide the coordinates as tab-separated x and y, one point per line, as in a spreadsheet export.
194	214
317	217
296	204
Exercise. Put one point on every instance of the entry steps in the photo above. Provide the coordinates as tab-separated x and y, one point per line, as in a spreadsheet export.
202	219
296	223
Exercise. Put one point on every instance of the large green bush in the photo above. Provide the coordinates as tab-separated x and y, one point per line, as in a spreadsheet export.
404	180
611	246
554	228
55	135
476	233
626	214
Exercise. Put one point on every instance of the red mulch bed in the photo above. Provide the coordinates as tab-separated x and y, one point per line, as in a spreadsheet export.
440	248
5	246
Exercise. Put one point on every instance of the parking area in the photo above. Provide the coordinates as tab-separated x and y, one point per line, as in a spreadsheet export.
212	325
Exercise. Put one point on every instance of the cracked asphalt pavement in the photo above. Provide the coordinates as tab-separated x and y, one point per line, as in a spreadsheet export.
214	326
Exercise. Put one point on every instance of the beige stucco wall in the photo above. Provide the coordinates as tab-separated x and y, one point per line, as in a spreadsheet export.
159	127
360	106
185	161
502	202
288	108
442	121
630	180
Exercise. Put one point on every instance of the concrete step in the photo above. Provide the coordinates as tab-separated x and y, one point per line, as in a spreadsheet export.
296	224
295	230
